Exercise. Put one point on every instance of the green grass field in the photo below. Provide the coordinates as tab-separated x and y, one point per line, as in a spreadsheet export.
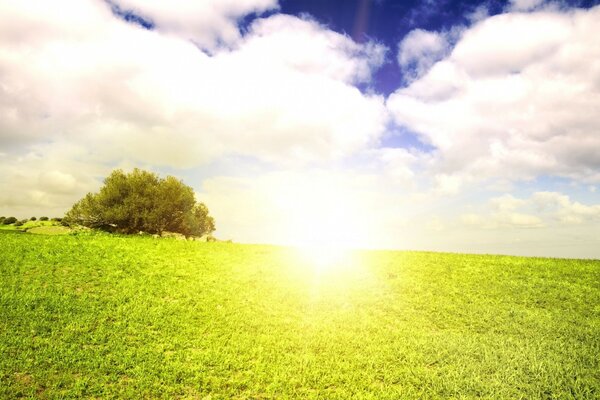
99	316
38	227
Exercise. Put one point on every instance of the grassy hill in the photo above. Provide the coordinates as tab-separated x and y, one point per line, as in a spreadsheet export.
98	316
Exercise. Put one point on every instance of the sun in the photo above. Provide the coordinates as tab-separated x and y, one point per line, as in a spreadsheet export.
324	258
324	223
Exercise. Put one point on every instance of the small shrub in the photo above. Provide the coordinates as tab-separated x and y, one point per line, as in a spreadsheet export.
9	220
57	219
43	218
18	223
33	219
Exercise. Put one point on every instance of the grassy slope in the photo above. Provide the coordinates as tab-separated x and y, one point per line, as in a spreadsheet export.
100	316
39	227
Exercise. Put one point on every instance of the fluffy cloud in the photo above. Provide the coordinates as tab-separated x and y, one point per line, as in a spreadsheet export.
419	50
78	74
305	46
539	210
208	23
524	5
515	99
80	85
563	209
47	182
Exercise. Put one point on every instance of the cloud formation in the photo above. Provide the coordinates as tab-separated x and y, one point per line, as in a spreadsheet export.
79	83
515	99
539	210
283	92
419	50
208	23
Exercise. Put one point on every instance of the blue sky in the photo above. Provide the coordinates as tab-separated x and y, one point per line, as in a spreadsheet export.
448	125
390	21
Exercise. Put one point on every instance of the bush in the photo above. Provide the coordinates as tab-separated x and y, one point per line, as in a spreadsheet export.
43	218
33	219
141	201
57	219
9	220
19	223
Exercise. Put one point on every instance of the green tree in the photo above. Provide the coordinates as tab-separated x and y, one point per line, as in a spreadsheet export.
198	222
9	220
142	201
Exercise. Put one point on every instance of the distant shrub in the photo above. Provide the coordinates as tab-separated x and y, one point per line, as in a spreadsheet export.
2	220
33	219
57	219
43	218
9	220
19	223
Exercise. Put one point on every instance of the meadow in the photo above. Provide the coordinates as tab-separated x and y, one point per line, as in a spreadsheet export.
104	316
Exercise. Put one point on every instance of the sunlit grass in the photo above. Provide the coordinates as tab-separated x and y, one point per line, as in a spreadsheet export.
131	317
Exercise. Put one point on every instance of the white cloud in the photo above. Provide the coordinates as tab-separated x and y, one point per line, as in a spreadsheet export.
506	202
307	47
208	22
85	77
515	99
524	5
563	209
83	91
448	184
46	181
502	220
541	209
419	50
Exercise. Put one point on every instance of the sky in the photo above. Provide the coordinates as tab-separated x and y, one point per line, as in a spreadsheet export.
428	125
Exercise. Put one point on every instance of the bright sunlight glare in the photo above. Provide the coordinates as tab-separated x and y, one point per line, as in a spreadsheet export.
324	221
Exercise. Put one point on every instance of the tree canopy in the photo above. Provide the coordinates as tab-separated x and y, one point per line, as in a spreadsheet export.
142	201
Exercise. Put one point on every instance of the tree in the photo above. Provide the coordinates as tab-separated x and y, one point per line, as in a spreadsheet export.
198	222
9	220
141	201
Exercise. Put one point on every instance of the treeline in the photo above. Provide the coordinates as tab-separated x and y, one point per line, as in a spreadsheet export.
141	201
19	222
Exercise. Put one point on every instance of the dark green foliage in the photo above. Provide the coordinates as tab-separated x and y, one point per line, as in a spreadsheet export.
2	220
43	218
33	219
140	201
57	219
19	223
9	220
